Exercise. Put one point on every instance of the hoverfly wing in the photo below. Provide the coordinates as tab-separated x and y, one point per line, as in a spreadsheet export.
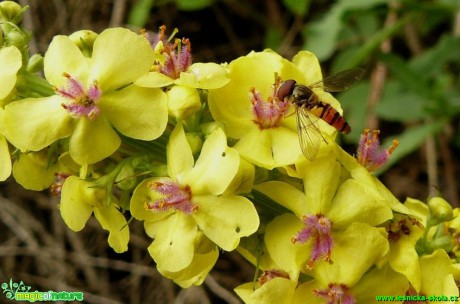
341	81
309	133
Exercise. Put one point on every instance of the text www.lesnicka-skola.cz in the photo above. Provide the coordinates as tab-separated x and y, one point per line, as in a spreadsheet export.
440	298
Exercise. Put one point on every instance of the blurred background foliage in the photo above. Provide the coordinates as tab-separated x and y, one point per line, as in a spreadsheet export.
411	91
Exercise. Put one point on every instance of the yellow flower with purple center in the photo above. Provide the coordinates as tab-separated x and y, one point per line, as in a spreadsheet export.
251	111
190	209
321	214
173	65
350	285
94	99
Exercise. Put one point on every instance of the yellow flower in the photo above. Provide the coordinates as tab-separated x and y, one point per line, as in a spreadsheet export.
93	97
80	199
189	207
251	112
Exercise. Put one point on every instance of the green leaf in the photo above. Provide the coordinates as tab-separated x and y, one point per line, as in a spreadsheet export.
321	35
353	103
433	61
273	37
399	104
376	40
406	76
191	5
140	12
297	7
360	4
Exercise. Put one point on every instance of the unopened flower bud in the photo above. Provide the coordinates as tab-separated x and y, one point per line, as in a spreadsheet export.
195	142
183	102
443	242
84	40
441	210
15	37
35	63
208	128
10	11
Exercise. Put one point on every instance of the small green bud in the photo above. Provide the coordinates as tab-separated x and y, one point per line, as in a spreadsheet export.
35	63
195	142
126	179
443	242
183	102
14	36
441	210
84	40
10	11
208	128
97	196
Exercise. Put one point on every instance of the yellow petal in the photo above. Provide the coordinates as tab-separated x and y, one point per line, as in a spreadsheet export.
285	254
215	168
285	195
224	220
34	171
276	291
174	245
179	154
35	123
93	140
75	210
308	63
154	80
355	251
11	62
5	160
353	203
119	58
112	220
196	272
136	112
204	76
63	56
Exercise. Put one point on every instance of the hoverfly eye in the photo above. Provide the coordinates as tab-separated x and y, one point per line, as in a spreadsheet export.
286	88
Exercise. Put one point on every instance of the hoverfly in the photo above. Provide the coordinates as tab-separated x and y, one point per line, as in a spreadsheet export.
309	108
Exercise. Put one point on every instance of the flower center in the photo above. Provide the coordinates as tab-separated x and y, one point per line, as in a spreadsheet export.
269	113
370	154
177	56
412	296
319	229
79	101
173	196
335	294
56	186
404	226
271	274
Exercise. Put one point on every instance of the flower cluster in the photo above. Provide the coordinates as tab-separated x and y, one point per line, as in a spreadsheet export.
125	125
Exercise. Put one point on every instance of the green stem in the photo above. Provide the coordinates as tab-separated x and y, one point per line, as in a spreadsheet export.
38	85
268	208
